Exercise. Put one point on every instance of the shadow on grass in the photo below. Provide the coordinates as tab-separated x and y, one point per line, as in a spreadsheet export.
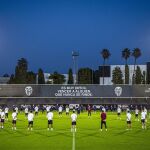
53	134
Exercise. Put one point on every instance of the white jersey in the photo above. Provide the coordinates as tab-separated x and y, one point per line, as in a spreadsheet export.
2	115
6	110
30	117
48	108
119	110
16	109
14	116
67	110
73	117
103	109
60	109
26	110
145	110
50	116
36	109
128	117
136	111
143	115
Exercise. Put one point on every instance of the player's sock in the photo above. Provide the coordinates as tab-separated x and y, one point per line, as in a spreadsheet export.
51	129
48	129
31	129
28	128
106	129
75	129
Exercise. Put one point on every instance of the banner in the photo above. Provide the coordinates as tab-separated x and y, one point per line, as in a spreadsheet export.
74	91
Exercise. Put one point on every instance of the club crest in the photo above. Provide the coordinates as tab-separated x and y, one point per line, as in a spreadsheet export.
118	91
28	90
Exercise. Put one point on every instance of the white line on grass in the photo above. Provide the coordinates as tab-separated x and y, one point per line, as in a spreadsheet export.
73	141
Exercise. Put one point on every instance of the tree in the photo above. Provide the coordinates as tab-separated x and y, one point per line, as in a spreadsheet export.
117	77
6	75
85	76
12	79
57	78
144	78
126	74
41	79
22	75
136	54
31	78
21	71
126	54
148	77
105	54
138	76
70	77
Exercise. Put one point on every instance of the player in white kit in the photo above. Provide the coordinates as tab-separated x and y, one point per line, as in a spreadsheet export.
16	109
36	110
2	119
30	120
50	116
60	109
26	111
136	114
143	118
67	110
119	112
48	109
73	124
6	112
14	120
128	120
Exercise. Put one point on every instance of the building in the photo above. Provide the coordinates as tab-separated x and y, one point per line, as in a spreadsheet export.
4	80
109	71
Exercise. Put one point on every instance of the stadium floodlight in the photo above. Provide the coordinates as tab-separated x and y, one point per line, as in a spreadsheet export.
75	55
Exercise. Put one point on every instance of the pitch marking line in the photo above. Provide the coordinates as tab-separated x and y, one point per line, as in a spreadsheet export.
73	141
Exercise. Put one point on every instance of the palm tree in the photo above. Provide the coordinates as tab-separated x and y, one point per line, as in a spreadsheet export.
136	54
126	54
105	54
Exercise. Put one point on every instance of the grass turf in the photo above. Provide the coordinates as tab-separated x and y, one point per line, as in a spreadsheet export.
87	136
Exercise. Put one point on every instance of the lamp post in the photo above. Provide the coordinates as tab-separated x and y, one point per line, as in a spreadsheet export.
75	55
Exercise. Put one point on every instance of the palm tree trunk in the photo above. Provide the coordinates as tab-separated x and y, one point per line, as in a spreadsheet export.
134	71
126	62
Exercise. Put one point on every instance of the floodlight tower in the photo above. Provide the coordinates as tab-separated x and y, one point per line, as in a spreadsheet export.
75	56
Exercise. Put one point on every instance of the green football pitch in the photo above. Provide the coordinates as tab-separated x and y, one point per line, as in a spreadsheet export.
87	137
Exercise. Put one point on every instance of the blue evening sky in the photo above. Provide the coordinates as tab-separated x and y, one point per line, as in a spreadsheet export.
45	32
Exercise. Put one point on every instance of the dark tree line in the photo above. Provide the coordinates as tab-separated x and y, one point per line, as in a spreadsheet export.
85	75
